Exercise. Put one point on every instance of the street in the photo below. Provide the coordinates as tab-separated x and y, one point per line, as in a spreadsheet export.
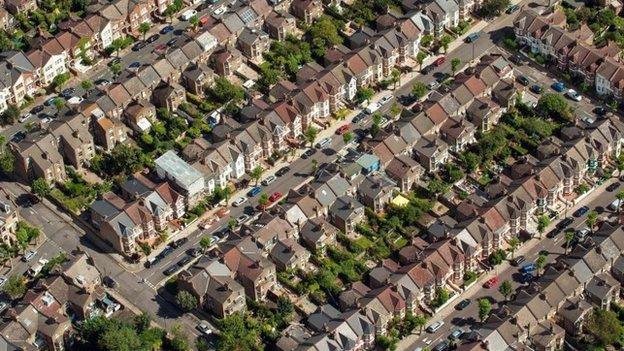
468	318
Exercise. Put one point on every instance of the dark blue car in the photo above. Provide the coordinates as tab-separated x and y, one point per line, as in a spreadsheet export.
166	30
526	278
558	87
254	191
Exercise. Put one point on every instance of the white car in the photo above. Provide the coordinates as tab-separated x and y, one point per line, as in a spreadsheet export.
574	95
433	327
188	14
241	200
75	100
25	117
29	255
432	85
268	180
204	328
2	281
242	219
219	11
323	143
384	100
372	107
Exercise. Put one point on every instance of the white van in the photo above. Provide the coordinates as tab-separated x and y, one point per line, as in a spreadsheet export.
188	14
372	107
36	268
615	205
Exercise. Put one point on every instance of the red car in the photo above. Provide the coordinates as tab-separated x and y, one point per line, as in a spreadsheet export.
342	129
491	282
203	21
160	49
276	195
439	61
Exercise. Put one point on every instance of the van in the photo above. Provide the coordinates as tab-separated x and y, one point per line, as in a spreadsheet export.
615	205
188	14
36	268
323	143
472	37
372	107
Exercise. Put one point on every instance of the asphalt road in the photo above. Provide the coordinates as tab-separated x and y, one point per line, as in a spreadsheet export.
467	318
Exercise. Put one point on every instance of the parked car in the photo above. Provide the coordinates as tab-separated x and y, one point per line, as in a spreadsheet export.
172	42
268	180
138	46
444	345
186	15
177	243
526	278
68	92
472	37
516	261
2	280
523	80
153	38
439	61
254	191
343	129
135	64
462	304
426	70
280	172
323	143
17	137
50	101
242	219
166	29
581	211
527	268
114	61
25	117
433	84
553	233
358	118
204	327
184	261
75	100
492	282
615	205
433	327
308	153
239	201
573	94
109	282
565	223
160	49
102	82
171	270
36	268
455	334
511	9
28	255
37	109
517	59
193	252
536	88
3	306
600	110
558	87
613	186
276	195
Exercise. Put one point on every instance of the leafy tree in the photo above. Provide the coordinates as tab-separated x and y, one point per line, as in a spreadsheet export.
420	58
325	28
121	337
505	289
256	173
186	300
86	84
194	21
122	160
437	186
445	41
310	135
493	8
179	340
542	223
485	307
455	62
239	333
170	11
363	94
470	160
620	196
224	91
144	28
7	161
205	242
347	137
59	103
116	68
395	75
60	80
554	106
539	263
15	287
142	322
40	187
420	322
591	219
442	295
10	115
497	257
426	40
569	236
514	242
263	200
419	90
605	327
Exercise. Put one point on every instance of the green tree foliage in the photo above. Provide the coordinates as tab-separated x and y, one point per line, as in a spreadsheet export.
505	289
10	115
122	160
445	41
485	307
419	90
256	173
224	91
239	333
144	28
605	327
106	334
186	301
455	62
420	58
310	135
324	33
25	234
493	8
554	106
363	94
15	287
40	187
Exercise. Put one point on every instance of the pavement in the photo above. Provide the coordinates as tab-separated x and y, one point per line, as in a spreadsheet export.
468	318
